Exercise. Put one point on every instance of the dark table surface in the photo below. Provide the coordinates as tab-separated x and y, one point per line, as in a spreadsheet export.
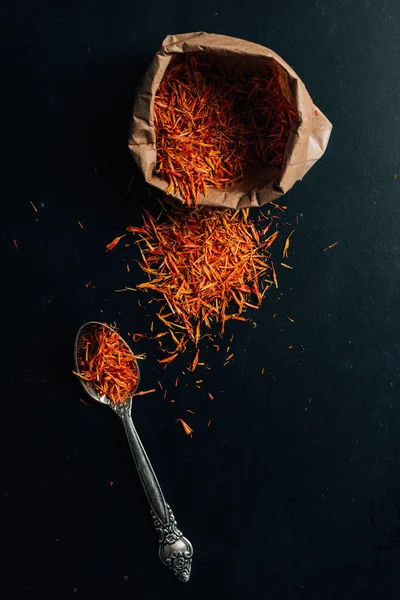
294	490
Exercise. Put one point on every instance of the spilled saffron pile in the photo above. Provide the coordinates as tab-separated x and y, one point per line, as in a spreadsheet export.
206	266
212	120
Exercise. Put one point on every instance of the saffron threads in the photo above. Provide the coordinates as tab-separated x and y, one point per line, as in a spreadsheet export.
115	241
108	364
212	121
188	430
195	361
144	393
274	277
287	244
206	266
331	246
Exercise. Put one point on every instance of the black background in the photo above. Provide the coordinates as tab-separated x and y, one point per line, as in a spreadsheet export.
294	489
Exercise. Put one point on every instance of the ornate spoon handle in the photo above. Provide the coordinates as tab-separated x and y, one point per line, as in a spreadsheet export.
175	551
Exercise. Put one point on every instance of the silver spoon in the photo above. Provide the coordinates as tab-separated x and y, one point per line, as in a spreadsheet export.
175	551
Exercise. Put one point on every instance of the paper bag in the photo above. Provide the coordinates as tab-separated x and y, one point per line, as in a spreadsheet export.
306	144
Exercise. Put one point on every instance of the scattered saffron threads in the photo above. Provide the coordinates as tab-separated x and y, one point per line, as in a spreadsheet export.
165	394
115	241
274	316
107	362
190	411
80	224
188	430
262	371
231	338
290	347
210	396
211	121
286	266
172	400
395	176
274	277
331	246
209	423
33	206
290	319
15	244
160	335
138	336
228	358
143	393
287	244
83	401
168	359
176	381
160	385
198	273
195	361
128	268
271	239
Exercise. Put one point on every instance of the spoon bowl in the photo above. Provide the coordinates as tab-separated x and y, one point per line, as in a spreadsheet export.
87	329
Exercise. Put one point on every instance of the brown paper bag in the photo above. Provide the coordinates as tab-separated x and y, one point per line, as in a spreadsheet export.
305	145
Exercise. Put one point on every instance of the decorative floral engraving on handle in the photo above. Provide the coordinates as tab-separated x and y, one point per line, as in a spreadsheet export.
175	551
